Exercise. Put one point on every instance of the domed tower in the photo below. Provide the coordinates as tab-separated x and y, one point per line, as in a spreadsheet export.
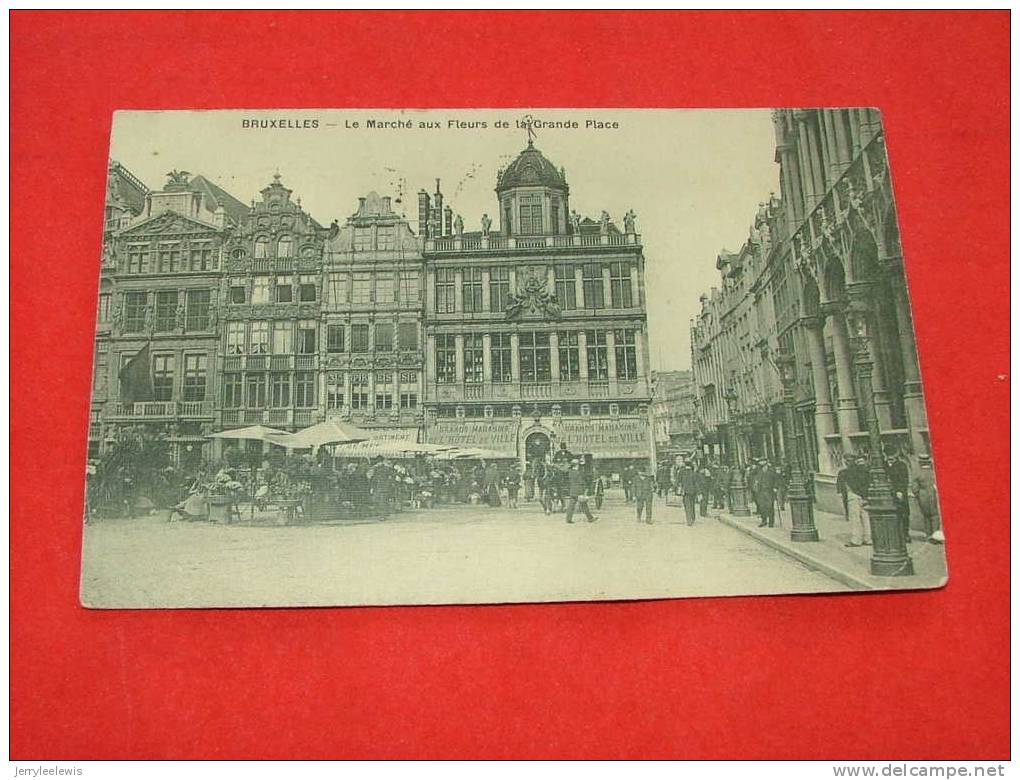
533	196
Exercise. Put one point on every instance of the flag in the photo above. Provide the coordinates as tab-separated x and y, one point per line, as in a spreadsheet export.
136	378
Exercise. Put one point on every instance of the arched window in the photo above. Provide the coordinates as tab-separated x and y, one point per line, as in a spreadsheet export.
285	247
262	247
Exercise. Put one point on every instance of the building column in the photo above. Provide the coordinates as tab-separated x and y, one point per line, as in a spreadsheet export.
913	396
804	158
515	356
846	405
825	423
430	360
843	151
831	147
458	341
579	286
611	353
582	354
817	163
487	358
550	278
635	289
554	356
607	288
880	392
855	132
639	352
486	300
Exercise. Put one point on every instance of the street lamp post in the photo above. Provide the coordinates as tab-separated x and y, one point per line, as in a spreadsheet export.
802	512
738	487
889	557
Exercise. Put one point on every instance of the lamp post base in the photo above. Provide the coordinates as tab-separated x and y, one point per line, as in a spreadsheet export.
892	567
803	529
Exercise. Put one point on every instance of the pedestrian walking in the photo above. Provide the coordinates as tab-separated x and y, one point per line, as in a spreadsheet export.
854	487
644	492
577	489
512	483
925	492
765	495
687	483
704	490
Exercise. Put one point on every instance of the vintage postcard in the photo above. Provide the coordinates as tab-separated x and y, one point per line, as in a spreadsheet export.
370	357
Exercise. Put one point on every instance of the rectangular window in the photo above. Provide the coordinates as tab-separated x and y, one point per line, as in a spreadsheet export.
362	239
384	337
410	288
304	389
259	338
195	367
335	391
337	288
169	258
384	390
626	354
196	315
138	259
500	357
384	289
359	390
308	292
260	289
166	311
163	377
408	389
407	334
554	215
499	288
386	237
472	289
566	291
334	338
474	358
594	295
261	247
284	289
534	350
285	247
283	337
307	341
255	391
359	338
362	292
235	338
238	291
446	296
201	257
104	307
279	390
134	311
570	361
446	358
598	359
531	215
619	286
232	391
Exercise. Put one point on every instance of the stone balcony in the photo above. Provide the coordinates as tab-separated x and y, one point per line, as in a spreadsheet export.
567	392
276	418
498	243
162	410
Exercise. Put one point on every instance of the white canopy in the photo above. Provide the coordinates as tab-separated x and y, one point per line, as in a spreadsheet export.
253	432
329	432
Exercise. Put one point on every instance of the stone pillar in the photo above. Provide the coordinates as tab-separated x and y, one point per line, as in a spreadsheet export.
811	194
611	353
486	300
639	352
880	392
832	148
913	397
347	390
582	354
554	356
579	286
487	358
458	290
459	342
825	422
635	288
843	144
515	356
855	132
846	404
607	288
430	358
817	164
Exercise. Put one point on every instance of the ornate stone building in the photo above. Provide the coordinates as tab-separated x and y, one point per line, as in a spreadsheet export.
372	322
163	269
674	420
831	242
535	326
271	293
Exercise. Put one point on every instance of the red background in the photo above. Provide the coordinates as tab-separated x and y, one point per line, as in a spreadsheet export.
922	675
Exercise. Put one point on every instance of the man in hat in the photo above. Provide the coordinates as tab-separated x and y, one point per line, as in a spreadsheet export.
577	490
899	481
855	482
644	492
764	492
927	497
688	483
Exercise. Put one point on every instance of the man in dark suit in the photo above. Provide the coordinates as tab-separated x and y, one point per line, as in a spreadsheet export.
765	496
644	491
578	486
688	482
899	481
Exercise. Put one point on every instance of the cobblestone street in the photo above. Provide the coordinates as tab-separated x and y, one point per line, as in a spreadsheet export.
444	555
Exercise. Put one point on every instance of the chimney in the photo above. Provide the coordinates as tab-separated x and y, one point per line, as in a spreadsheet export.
447	221
386	205
424	213
220	216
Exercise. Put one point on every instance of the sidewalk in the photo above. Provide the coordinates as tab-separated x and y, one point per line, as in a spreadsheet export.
849	565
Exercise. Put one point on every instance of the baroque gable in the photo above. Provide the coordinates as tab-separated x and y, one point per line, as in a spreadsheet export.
167	223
